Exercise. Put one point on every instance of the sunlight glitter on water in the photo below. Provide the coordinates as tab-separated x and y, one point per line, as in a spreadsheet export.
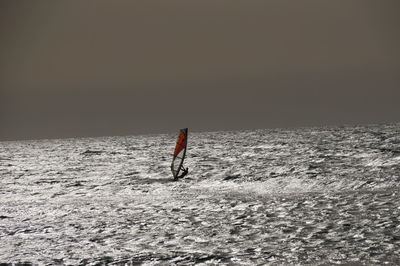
305	196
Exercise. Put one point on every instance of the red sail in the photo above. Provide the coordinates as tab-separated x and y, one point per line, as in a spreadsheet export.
181	143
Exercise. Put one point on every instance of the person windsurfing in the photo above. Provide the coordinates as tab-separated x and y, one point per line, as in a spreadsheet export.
177	168
185	171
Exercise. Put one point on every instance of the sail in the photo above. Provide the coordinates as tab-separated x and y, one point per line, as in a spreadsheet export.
179	153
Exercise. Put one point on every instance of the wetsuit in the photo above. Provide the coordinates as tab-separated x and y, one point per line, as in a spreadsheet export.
184	173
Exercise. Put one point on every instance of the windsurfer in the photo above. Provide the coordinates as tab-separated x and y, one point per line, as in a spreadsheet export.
177	168
184	173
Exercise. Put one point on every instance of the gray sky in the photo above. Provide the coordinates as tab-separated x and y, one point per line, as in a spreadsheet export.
92	68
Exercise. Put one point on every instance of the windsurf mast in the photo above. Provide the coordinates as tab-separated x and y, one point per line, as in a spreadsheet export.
177	168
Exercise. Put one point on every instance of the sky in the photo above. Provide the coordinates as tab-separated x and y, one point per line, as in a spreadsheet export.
98	68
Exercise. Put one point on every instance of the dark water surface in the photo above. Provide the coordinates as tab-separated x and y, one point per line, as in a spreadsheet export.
306	196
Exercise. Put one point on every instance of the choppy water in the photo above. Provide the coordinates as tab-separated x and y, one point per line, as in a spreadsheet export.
305	196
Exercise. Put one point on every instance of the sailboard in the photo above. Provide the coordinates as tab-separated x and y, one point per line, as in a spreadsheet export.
177	168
